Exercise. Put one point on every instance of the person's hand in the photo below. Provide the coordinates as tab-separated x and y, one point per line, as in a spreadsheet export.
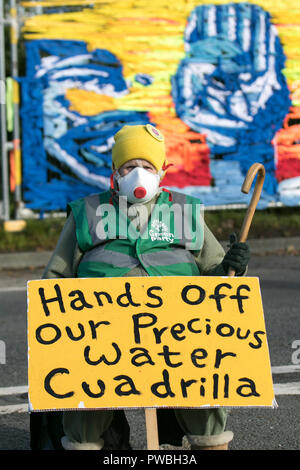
237	257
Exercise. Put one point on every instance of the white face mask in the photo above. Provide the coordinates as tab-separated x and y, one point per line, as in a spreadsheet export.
139	185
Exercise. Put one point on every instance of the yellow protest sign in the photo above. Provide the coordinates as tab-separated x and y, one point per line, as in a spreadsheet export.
147	342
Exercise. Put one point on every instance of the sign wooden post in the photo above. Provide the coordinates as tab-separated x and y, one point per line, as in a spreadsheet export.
151	429
177	342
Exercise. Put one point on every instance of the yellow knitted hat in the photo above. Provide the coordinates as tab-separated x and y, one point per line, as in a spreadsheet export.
141	141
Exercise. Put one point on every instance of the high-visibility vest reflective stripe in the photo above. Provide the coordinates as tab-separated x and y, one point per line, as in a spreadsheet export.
112	247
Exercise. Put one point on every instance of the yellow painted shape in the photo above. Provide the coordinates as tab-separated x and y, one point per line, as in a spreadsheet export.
14	225
89	103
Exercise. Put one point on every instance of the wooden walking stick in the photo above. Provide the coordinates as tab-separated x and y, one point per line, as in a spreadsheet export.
253	170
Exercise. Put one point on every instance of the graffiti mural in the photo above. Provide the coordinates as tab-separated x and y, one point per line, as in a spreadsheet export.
219	81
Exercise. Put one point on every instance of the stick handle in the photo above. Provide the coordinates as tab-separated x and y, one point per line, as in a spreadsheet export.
151	429
255	168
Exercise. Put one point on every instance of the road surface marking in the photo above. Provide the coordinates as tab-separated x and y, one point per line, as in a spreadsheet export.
13	390
12	289
286	369
21	408
292	388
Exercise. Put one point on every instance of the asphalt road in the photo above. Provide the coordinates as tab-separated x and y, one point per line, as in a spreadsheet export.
254	429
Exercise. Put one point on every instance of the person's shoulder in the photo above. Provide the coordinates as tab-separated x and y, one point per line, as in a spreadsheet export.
91	199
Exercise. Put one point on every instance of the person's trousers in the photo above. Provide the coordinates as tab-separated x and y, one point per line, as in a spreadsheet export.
88	427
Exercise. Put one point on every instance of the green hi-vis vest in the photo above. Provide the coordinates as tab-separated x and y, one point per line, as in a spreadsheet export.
113	246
